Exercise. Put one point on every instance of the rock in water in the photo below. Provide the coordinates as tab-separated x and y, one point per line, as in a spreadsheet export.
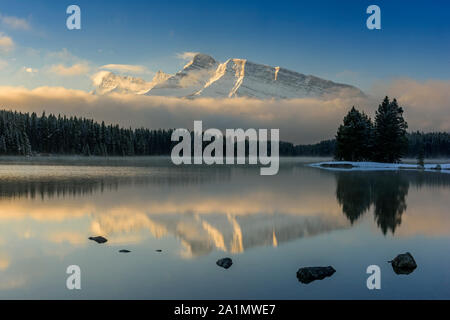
403	263
224	263
124	251
99	239
309	274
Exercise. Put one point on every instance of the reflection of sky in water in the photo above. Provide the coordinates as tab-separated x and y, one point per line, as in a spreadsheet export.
270	226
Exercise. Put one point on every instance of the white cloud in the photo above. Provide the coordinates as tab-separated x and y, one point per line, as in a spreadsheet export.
30	70
97	78
64	63
126	68
74	70
102	80
15	22
186	55
6	43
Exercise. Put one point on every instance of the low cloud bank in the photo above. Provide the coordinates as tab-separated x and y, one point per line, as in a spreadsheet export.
306	120
427	104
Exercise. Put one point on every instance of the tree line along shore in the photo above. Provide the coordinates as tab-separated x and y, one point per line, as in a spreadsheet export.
357	138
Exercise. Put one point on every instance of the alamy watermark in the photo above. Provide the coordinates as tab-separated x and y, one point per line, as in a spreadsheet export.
374	280
374	20
73	281
73	21
235	140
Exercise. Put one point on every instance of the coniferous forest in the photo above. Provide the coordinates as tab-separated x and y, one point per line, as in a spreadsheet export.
25	134
31	134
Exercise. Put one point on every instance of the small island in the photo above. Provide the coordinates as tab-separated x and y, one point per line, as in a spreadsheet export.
372	166
379	145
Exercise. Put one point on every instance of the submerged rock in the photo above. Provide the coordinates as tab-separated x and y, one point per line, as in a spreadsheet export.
98	239
309	274
403	263
224	263
124	251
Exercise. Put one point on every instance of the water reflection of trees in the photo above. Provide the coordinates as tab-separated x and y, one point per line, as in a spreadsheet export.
357	191
76	186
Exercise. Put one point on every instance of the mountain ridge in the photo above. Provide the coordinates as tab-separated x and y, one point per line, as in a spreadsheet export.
204	76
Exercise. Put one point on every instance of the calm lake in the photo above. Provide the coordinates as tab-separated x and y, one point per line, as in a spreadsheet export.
269	225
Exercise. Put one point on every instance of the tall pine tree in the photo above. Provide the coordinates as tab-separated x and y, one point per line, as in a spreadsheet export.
390	140
354	137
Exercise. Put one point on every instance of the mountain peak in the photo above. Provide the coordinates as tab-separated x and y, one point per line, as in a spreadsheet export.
202	57
201	61
160	76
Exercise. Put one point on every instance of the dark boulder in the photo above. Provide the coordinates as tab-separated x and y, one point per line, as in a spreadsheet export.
98	239
403	263
309	274
224	263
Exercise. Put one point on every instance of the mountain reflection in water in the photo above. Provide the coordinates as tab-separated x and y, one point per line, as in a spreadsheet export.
209	208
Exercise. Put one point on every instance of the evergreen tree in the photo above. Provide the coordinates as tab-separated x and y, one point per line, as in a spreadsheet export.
390	141
354	137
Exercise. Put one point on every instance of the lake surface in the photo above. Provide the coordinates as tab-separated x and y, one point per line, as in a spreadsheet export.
269	225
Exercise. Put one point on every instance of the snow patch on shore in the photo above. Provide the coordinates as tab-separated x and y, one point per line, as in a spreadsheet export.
379	166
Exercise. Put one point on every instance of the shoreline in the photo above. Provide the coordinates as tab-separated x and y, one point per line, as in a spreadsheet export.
379	166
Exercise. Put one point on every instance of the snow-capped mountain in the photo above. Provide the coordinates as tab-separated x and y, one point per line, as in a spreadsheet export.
107	82
206	77
188	81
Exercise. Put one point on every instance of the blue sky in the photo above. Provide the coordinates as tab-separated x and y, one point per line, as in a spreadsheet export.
324	38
